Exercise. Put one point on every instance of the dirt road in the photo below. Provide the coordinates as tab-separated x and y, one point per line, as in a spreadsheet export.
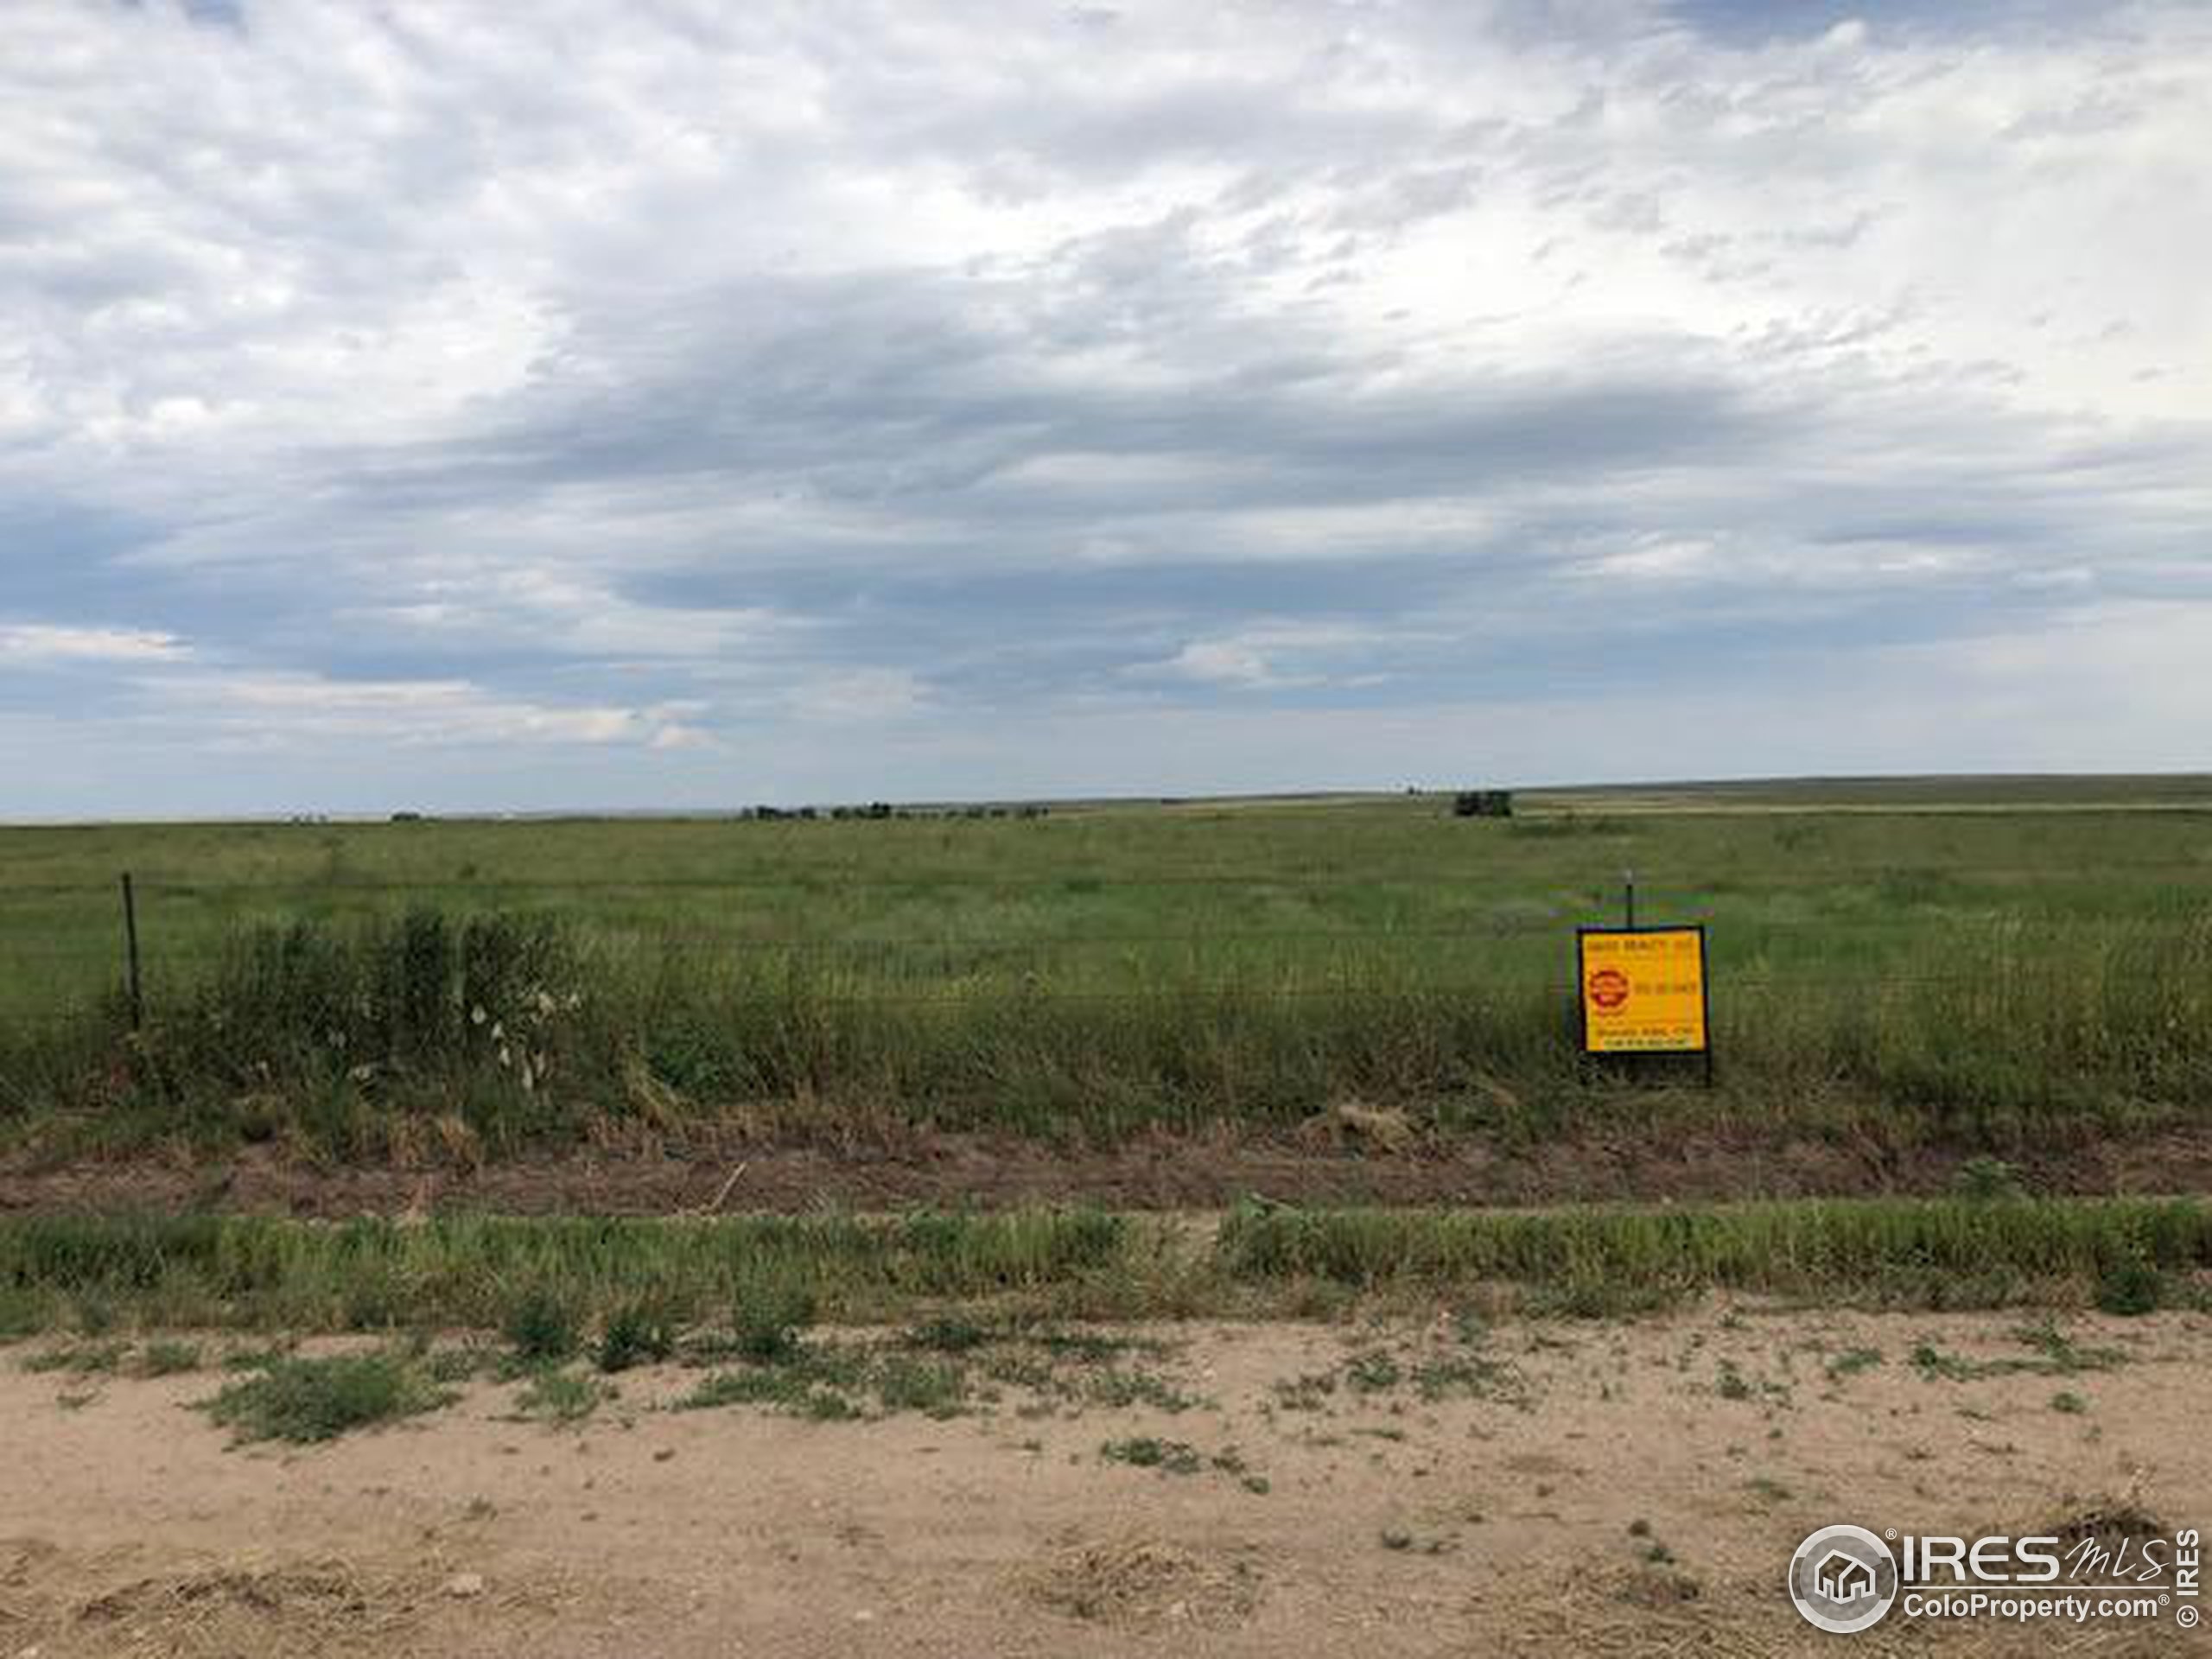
1532	1488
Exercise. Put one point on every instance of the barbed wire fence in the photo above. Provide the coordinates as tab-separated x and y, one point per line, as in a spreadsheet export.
67	967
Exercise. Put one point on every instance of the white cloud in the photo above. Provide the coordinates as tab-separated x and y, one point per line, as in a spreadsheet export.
33	643
859	697
309	711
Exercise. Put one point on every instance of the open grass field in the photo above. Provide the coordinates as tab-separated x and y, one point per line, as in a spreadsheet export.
1964	967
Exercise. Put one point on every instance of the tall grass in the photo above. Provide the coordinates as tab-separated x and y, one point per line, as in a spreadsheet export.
425	1034
1933	1251
482	1271
563	1275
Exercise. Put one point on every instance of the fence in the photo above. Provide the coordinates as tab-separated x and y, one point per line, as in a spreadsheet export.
63	968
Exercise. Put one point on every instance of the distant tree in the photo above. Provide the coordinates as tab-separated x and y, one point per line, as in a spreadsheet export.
1483	804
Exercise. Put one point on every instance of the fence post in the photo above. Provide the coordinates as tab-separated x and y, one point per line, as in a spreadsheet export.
130	948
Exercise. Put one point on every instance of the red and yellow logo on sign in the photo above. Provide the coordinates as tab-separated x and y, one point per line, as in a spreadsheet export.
1642	990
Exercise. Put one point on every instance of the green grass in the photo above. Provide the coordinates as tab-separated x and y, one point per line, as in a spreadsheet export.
640	1332
1930	1252
80	1359
168	1358
1145	1451
1990	982
755	1281
307	1400
559	1397
794	1389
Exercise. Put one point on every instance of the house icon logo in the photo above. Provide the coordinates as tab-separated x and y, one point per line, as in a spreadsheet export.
1843	1580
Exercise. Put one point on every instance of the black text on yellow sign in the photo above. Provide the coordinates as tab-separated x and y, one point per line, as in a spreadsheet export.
1643	989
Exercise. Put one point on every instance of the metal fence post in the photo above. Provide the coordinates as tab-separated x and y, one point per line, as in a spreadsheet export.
130	948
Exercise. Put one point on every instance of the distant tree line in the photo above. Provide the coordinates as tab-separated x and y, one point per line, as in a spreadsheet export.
1483	804
884	811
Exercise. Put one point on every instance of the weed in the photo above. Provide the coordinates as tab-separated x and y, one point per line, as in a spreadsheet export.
168	1358
1466	1376
2067	1401
455	1364
542	1325
1852	1361
2130	1288
560	1396
1144	1452
2055	1355
80	1359
787	1388
636	1333
767	1320
1309	1392
903	1384
2061	1355
1373	1372
312	1399
1120	1388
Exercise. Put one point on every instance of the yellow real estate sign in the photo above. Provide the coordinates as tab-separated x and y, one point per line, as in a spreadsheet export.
1643	989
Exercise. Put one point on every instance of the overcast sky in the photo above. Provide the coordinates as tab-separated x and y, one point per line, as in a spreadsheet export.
662	403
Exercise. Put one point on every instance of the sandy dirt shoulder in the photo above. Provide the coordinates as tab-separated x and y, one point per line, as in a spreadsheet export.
1629	1487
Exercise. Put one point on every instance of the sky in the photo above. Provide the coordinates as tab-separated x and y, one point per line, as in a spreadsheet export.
666	404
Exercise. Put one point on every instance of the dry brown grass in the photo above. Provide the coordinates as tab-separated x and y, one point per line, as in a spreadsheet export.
1133	1581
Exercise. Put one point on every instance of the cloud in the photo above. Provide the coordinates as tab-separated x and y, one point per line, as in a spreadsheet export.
315	715
22	643
413	375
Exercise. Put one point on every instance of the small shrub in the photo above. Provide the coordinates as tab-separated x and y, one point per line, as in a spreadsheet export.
2132	1288
80	1359
308	1401
455	1364
168	1358
542	1327
636	1334
1852	1361
909	1385
1143	1452
768	1318
787	1388
560	1396
1121	1389
1373	1372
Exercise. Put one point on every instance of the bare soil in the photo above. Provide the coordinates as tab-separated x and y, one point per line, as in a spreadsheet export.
1599	1488
1363	1161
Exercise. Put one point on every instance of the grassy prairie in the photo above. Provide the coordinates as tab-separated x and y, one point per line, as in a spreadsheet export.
1902	962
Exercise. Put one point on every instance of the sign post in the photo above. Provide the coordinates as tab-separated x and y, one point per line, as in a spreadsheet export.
1642	990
